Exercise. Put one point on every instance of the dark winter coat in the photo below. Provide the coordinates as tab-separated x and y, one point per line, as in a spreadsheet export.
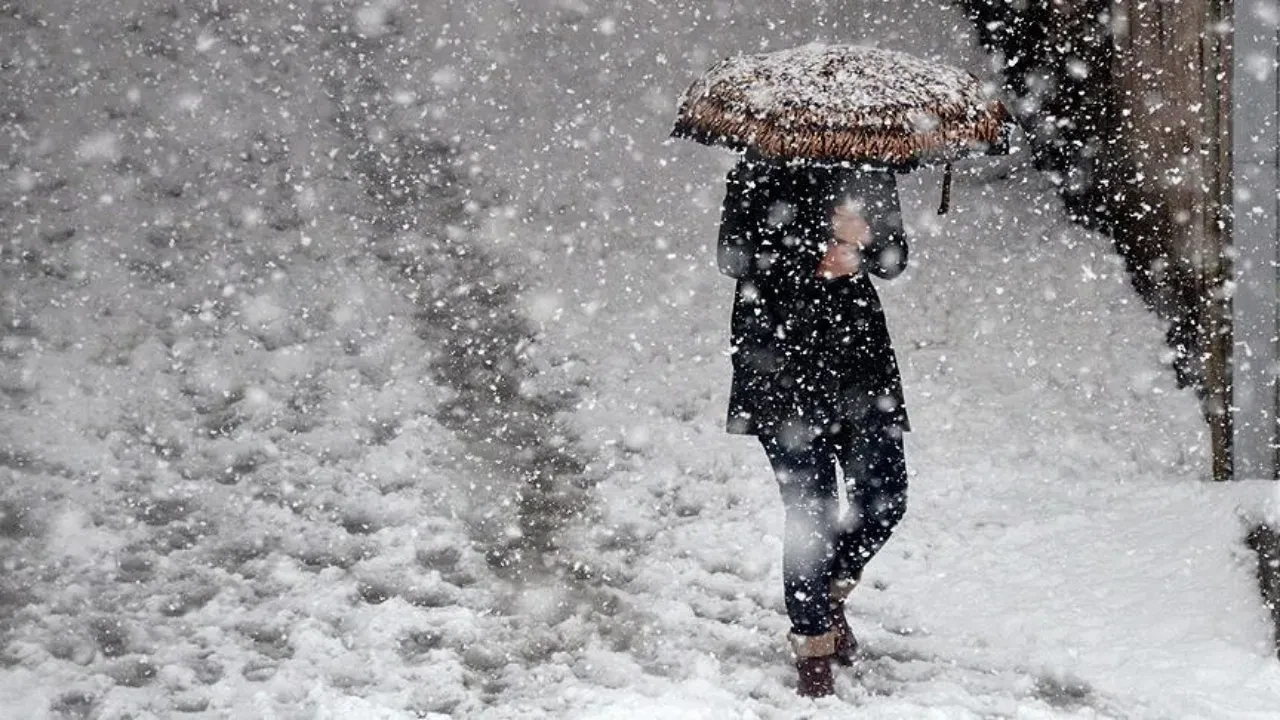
809	354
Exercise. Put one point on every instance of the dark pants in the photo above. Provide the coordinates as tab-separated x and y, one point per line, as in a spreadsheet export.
819	545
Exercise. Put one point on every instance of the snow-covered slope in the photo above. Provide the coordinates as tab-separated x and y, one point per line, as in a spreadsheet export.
294	397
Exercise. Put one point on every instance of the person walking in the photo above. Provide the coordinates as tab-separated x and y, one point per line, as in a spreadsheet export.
815	377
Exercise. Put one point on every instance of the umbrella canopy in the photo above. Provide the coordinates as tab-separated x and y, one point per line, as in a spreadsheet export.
843	103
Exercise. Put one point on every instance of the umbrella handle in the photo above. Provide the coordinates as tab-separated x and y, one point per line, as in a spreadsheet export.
946	191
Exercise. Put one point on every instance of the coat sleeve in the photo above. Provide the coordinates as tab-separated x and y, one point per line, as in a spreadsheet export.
759	240
886	255
743	221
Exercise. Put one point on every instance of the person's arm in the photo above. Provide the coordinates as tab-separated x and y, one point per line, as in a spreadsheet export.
744	222
885	255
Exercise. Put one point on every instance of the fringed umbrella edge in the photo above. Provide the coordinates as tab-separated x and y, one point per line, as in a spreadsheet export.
887	137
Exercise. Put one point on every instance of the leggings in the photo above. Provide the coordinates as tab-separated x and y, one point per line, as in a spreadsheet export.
818	545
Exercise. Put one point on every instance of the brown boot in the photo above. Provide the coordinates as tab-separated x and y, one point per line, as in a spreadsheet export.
813	655
846	651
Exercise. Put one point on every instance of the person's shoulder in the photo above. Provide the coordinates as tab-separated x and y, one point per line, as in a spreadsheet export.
753	166
873	180
755	175
872	172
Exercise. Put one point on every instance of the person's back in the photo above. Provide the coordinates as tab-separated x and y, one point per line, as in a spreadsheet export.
815	376
812	347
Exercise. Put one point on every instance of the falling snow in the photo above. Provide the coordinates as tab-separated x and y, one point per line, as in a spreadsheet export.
368	360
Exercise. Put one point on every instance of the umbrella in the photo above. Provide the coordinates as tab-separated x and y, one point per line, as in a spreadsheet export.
844	103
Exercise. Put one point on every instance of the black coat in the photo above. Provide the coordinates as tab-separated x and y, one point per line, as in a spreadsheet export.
809	354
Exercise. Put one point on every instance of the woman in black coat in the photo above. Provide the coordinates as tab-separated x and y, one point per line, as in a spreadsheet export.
815	377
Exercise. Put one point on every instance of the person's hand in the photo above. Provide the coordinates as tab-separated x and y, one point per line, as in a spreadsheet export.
849	226
841	260
851	234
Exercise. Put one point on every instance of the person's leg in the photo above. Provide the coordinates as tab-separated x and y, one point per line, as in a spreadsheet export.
807	481
875	472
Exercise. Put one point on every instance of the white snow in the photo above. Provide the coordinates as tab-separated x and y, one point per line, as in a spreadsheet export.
834	80
233	477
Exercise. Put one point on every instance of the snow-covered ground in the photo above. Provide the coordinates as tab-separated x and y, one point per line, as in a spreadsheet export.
368	360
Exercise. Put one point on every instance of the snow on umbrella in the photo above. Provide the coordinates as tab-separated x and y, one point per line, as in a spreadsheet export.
843	103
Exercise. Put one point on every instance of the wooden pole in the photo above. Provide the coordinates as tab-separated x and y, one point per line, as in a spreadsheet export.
1255	175
1172	70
